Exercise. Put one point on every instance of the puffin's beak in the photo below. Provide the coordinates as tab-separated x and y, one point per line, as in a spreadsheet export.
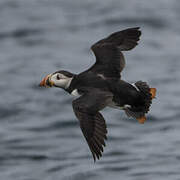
46	82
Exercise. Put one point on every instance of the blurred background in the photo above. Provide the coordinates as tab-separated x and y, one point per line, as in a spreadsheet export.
39	135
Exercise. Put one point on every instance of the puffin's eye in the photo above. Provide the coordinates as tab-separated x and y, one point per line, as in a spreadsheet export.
58	77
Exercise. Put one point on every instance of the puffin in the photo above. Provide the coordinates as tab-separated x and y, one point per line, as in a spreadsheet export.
101	86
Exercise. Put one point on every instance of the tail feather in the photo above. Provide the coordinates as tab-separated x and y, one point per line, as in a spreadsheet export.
140	116
147	94
135	114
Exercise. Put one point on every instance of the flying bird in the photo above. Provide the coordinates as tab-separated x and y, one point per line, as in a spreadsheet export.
101	86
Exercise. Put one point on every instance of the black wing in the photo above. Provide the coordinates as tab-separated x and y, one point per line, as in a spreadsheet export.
92	122
109	58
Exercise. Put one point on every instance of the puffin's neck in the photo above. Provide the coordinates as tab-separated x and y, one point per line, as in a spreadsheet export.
70	85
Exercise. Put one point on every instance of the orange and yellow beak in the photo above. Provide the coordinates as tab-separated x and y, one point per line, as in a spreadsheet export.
47	82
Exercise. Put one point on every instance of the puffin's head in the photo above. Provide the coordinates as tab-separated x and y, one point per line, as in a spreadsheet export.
61	79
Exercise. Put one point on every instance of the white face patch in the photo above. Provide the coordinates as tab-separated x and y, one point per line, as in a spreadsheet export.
61	80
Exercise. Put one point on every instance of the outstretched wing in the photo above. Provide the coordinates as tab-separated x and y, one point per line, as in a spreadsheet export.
109	58
91	121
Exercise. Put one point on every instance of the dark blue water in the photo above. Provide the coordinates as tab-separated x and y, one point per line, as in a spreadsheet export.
40	138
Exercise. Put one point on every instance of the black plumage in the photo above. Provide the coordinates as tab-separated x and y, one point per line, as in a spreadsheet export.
92	123
101	85
109	58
